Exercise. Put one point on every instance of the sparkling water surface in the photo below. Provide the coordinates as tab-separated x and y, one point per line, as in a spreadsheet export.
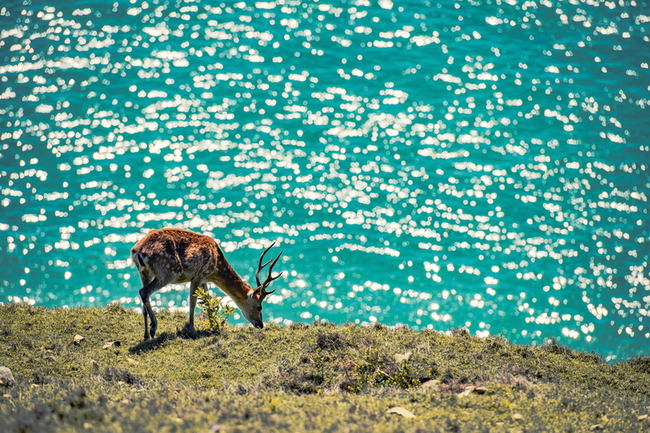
479	164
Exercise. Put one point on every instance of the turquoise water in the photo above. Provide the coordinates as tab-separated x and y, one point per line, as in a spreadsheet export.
435	164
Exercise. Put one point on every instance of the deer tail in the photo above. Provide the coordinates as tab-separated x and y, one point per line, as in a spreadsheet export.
138	259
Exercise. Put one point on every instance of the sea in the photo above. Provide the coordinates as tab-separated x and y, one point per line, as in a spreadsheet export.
478	164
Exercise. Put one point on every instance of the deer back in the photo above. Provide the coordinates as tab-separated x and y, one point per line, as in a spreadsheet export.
177	256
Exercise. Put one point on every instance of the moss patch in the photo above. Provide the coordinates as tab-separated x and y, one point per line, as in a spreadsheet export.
299	378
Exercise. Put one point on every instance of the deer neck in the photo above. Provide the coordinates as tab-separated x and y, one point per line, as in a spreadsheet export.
231	283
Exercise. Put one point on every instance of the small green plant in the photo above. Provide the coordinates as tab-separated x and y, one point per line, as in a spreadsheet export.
216	313
369	371
321	361
402	377
372	371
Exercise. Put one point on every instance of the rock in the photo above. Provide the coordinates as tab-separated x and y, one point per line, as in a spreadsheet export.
111	344
78	338
6	378
401	411
473	389
433	384
402	358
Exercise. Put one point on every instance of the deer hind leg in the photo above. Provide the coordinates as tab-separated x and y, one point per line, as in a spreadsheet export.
146	279
147	311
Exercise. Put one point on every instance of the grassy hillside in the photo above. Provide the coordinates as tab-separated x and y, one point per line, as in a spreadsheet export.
299	378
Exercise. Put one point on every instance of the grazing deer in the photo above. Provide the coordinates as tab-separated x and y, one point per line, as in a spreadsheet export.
170	256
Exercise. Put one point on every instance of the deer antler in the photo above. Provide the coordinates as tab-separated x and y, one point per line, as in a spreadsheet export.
261	287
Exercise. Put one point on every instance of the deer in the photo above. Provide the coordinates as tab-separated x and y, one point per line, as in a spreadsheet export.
174	256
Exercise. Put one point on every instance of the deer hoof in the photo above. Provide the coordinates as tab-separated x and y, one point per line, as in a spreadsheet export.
152	331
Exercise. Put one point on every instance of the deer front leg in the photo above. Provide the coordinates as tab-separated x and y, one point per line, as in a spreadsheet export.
193	299
145	293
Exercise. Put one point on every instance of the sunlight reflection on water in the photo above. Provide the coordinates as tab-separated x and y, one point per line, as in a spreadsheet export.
437	165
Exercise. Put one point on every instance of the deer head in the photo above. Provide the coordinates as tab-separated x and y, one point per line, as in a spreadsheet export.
253	309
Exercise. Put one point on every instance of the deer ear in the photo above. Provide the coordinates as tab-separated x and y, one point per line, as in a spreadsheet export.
261	293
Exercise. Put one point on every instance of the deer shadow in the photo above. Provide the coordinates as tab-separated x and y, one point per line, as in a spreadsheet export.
155	343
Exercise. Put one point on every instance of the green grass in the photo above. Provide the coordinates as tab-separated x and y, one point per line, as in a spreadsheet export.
299	378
